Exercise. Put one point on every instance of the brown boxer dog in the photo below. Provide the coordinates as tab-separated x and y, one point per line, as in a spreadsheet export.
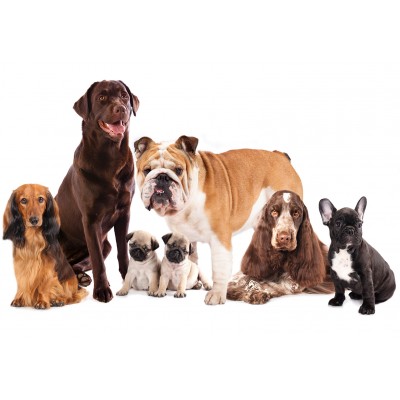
210	197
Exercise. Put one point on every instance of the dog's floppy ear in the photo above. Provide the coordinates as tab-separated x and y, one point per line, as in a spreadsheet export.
134	100
306	263
327	210
141	145
129	236
13	223
83	106
360	207
154	244
166	237
187	144
51	220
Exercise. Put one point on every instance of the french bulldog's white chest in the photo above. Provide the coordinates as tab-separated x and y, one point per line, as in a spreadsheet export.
343	265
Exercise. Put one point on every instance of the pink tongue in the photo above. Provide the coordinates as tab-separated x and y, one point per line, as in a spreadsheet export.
117	128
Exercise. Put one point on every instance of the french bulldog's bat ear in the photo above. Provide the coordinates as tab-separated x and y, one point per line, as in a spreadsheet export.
360	207
166	237
327	210
141	145
154	244
187	144
129	236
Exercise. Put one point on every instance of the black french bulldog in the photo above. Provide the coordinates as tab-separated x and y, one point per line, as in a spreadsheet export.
355	265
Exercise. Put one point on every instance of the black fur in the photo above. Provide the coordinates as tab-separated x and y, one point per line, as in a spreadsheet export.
371	280
16	229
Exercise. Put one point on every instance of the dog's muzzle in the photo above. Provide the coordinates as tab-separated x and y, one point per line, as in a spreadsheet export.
176	255
137	253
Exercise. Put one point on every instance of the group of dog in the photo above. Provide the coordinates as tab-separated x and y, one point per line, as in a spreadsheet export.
204	197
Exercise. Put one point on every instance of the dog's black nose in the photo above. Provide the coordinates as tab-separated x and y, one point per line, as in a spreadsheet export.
163	178
120	109
349	230
34	220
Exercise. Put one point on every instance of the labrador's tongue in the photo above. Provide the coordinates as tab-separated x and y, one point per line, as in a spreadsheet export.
116	128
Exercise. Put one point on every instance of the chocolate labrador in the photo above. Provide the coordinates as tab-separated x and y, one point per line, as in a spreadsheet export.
97	191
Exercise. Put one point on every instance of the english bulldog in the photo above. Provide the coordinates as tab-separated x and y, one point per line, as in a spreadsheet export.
210	197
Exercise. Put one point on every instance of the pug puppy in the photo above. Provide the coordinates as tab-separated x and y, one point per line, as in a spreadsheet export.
144	264
177	271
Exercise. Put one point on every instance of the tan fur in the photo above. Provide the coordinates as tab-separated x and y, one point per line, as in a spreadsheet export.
38	284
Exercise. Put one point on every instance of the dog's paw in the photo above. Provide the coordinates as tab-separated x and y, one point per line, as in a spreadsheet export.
337	301
41	305
103	294
366	309
56	303
18	303
207	286
180	294
122	292
198	285
215	296
257	297
355	296
160	293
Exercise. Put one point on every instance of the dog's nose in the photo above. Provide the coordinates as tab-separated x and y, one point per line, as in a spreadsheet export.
34	220
349	230
119	109
163	178
284	238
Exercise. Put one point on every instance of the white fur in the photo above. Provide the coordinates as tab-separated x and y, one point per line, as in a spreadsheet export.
342	265
286	197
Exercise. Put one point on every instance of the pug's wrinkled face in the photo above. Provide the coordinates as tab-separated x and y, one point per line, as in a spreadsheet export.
141	245
177	247
166	173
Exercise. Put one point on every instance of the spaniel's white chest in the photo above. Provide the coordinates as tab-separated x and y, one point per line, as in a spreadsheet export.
343	265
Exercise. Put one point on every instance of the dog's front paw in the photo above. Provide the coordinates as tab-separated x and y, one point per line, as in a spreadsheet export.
160	293
257	297
122	292
337	300
57	303
41	305
180	294
103	294
18	303
366	309
215	296
207	286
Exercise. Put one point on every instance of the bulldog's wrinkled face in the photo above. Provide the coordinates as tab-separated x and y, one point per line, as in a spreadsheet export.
177	247
166	173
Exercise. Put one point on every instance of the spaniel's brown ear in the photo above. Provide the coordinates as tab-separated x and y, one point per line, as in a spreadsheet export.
133	99
83	106
188	144
307	264
13	223
141	145
261	259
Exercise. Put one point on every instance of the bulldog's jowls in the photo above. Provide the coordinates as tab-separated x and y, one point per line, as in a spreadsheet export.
177	271
355	265
144	264
210	197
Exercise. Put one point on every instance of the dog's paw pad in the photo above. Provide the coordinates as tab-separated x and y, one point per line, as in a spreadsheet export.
180	294
121	293
56	303
160	294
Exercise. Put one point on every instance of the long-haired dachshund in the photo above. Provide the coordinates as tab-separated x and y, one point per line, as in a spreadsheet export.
285	256
44	276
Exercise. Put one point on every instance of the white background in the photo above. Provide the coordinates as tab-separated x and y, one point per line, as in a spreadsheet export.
318	80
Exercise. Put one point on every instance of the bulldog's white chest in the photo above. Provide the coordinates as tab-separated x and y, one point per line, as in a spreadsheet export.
342	265
192	221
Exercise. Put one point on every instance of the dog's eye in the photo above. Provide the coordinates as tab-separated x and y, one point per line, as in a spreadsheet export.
296	214
146	171
40	199
102	97
338	223
124	95
274	213
359	225
178	171
23	200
